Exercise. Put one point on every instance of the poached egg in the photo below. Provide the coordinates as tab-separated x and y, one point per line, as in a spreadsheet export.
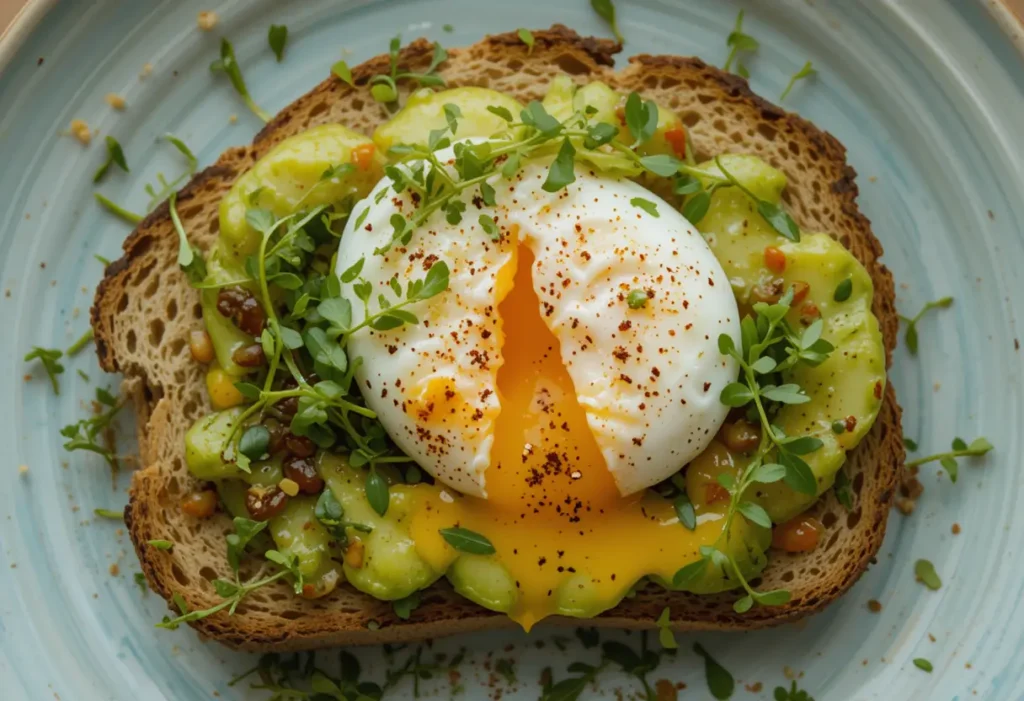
572	363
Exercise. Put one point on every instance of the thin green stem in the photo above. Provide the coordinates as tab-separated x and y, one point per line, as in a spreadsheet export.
966	452
117	210
81	343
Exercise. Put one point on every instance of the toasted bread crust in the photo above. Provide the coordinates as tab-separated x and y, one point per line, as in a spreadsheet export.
144	310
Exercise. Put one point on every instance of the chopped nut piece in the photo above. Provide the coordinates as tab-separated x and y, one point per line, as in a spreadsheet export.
354	554
115	101
874	606
289	486
147	70
956	529
207	20
80	130
114	570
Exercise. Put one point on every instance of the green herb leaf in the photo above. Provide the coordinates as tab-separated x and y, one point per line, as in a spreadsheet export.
562	170
377	491
342	72
843	490
925	573
228	65
489	226
641	118
255	442
245	530
665	635
160	544
798	474
738	41
49	358
779	219
843	290
785	394
605	9
277	37
115	155
190	258
661	164
404	607
646	205
805	72
923	664
697	206
467	541
736	394
911	338
755	514
501	112
689	572
720	682
685	511
526	36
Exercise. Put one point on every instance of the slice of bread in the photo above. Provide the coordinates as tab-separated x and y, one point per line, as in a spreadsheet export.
145	309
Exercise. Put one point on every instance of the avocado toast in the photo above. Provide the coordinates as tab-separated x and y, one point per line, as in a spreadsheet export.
145	311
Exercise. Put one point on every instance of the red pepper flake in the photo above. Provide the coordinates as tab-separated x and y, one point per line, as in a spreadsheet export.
850	423
707	386
878	390
621	353
626	378
625	325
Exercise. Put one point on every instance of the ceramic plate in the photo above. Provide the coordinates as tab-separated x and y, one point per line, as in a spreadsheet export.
928	96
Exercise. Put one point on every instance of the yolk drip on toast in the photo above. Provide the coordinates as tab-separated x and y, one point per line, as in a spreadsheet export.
558	524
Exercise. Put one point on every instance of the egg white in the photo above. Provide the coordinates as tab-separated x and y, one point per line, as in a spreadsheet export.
649	379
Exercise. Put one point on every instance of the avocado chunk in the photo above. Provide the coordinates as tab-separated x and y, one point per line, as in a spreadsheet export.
484	581
390	568
204	442
424	112
850	383
290	177
297	532
600	103
224	335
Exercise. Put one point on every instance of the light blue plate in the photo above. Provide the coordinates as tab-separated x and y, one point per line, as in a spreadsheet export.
928	96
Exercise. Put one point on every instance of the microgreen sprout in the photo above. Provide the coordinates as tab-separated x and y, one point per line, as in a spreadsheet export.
910	337
959	449
737	41
115	156
277	37
806	72
228	64
117	210
605	9
384	86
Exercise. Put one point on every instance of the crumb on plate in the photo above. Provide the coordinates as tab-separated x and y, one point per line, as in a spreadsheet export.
207	20
115	101
80	130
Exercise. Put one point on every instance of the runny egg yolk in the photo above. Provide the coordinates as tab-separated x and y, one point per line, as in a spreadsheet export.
558	524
